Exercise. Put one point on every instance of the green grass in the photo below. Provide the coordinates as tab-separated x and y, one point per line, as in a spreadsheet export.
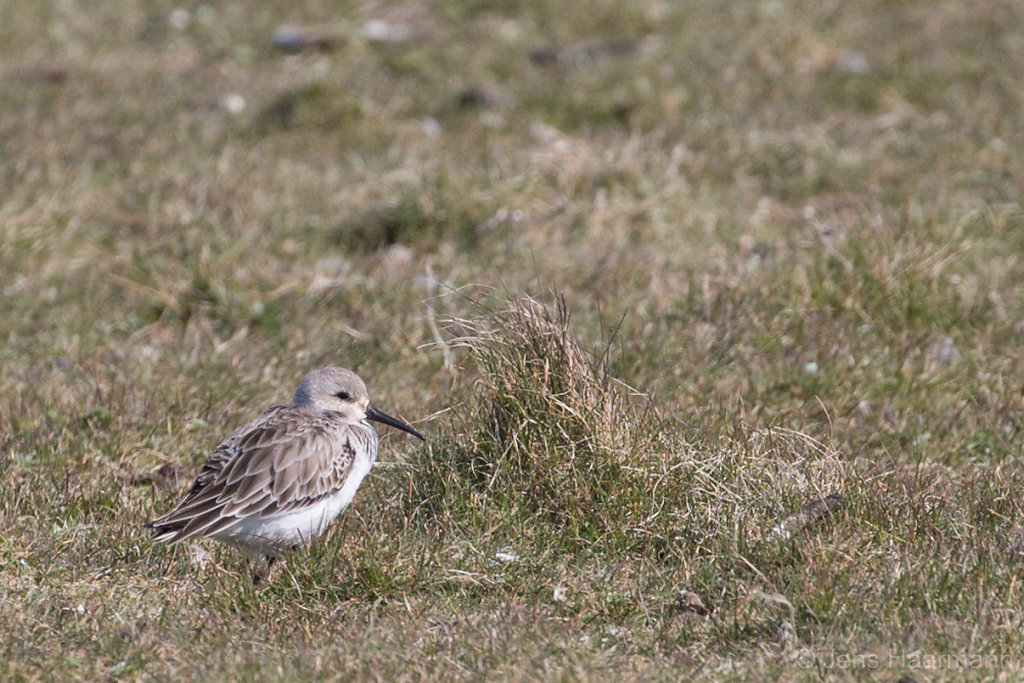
650	276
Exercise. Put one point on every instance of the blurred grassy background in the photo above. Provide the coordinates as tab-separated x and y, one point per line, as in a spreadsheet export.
794	227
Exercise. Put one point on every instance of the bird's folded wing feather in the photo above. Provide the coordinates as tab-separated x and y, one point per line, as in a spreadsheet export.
280	461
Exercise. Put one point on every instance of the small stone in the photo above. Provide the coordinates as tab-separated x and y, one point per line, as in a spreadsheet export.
384	32
807	515
179	18
506	556
854	62
289	38
688	601
233	103
430	127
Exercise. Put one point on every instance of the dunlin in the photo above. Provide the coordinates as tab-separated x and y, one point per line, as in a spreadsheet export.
277	482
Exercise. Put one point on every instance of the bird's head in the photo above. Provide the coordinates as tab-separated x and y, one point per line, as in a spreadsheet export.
338	390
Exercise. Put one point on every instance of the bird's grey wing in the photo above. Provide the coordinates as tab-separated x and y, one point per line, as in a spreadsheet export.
319	469
281	460
267	421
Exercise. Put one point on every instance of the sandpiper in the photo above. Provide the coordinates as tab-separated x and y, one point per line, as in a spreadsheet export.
277	482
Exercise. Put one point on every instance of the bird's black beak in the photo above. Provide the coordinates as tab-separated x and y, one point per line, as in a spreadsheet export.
374	414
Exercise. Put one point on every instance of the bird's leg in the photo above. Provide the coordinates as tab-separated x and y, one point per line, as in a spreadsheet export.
259	574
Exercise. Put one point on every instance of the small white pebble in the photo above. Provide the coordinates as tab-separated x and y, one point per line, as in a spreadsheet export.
288	38
375	29
505	555
854	62
811	368
234	103
431	128
383	32
179	18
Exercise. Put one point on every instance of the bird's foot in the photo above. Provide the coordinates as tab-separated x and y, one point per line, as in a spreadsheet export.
259	574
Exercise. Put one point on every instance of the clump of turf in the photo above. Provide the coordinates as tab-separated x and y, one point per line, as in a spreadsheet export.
551	433
553	451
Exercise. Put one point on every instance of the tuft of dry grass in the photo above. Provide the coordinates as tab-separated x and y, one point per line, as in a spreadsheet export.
550	441
551	457
549	429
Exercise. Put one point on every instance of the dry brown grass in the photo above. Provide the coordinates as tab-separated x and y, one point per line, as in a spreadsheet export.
807	218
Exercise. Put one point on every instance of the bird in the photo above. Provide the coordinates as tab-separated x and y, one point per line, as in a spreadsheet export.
277	483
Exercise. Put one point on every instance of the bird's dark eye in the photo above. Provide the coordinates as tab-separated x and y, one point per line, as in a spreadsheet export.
343	395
